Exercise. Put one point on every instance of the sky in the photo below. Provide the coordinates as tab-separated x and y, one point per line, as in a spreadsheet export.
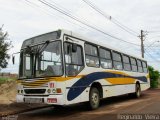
23	20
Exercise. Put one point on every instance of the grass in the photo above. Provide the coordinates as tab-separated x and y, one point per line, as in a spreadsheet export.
3	80
6	79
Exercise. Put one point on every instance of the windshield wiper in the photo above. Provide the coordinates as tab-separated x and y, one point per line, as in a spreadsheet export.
38	51
33	50
43	47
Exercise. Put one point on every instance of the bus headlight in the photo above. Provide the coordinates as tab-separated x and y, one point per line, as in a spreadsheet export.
54	91
20	91
49	90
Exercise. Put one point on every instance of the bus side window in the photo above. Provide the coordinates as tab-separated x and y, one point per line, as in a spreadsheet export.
133	64
105	58
92	58
126	63
144	64
117	61
139	66
73	60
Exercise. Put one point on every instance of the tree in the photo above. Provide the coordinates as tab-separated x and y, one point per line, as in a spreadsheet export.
4	47
154	76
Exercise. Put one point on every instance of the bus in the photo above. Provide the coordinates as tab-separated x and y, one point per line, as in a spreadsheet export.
61	68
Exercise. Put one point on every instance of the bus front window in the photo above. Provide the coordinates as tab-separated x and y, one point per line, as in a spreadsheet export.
42	60
49	62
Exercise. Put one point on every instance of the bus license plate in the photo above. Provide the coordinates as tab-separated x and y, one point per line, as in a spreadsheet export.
33	100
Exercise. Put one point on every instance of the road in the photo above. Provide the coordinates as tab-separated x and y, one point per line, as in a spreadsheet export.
110	109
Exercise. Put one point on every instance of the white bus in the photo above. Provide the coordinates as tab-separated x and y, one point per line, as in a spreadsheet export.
63	68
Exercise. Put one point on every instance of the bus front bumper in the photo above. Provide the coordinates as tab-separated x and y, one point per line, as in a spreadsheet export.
50	99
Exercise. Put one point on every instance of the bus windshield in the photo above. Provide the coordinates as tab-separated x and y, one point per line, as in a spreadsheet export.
41	60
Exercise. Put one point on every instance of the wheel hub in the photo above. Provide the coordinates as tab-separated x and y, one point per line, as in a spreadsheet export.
95	98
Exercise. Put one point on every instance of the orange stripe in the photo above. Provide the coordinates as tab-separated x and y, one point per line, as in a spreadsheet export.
121	80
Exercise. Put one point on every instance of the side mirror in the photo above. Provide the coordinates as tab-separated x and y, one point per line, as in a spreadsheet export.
13	59
74	47
68	49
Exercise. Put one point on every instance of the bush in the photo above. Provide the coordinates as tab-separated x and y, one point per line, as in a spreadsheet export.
154	83
154	76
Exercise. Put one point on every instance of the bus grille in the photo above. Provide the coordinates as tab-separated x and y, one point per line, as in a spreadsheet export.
35	91
30	83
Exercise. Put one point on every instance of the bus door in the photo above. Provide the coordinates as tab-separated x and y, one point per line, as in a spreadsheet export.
74	64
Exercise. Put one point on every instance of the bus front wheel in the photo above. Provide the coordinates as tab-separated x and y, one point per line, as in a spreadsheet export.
94	98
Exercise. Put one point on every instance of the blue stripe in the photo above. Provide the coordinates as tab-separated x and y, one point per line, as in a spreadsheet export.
90	78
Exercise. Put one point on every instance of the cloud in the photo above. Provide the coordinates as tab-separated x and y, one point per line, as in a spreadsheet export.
23	21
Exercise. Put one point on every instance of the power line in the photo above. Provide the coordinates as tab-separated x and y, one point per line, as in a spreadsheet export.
104	14
148	54
80	21
116	22
151	44
153	47
154	37
149	49
51	14
151	56
66	10
154	31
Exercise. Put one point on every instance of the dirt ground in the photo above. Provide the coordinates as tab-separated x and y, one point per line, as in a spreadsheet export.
8	92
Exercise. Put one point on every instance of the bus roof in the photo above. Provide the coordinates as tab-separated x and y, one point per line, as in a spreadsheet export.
100	44
59	33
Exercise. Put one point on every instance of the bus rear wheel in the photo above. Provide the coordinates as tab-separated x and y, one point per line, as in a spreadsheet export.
138	91
94	98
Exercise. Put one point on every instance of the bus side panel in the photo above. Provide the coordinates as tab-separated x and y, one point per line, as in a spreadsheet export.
85	95
110	88
71	90
109	91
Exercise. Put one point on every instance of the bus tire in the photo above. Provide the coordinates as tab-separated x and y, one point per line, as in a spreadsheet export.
137	90
94	98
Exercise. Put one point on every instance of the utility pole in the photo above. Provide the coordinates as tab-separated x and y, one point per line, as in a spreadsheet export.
142	45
